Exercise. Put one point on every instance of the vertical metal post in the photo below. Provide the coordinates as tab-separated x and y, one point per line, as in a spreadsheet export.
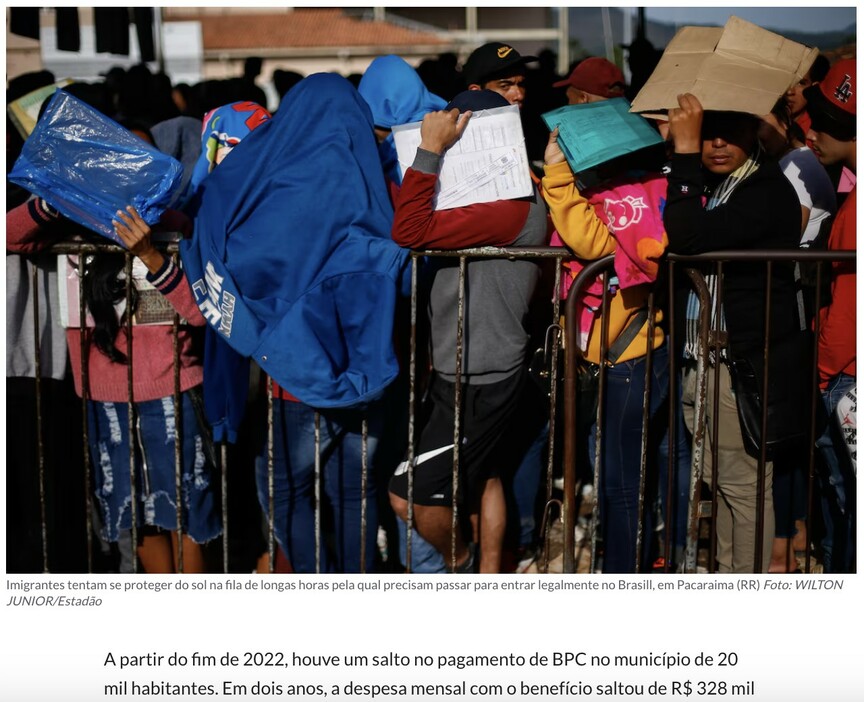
131	427
271	479
364	484
697	458
40	448
84	347
646	416
317	492
457	408
412	381
715	417
178	432
223	460
553	401
761	477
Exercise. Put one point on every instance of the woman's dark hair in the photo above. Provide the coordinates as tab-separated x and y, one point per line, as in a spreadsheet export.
103	289
784	116
819	69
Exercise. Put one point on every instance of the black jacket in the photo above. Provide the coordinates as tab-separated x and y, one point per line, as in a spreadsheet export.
762	213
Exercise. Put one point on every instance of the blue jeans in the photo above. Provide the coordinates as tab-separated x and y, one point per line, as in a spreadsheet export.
837	485
425	558
341	471
621	451
675	514
526	483
155	481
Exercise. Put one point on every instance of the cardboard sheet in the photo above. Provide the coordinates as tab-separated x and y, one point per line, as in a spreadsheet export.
740	67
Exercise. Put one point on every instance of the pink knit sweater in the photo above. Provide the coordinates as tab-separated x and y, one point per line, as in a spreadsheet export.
152	346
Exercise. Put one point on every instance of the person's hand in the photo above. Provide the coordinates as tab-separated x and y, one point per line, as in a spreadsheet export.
440	130
685	125
134	232
553	152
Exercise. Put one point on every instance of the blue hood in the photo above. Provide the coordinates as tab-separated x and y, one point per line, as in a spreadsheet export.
292	262
396	95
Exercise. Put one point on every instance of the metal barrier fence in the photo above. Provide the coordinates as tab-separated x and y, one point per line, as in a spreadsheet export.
563	509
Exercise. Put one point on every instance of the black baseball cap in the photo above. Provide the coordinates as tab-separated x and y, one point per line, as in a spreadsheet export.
494	60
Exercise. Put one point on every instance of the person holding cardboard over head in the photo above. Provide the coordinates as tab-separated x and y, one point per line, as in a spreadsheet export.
832	106
724	193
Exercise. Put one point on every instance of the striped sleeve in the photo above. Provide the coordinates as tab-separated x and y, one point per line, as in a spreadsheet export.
41	211
166	279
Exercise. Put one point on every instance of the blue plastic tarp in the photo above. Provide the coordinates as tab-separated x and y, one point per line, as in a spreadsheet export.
87	167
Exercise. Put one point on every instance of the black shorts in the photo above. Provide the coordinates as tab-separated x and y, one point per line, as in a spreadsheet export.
488	415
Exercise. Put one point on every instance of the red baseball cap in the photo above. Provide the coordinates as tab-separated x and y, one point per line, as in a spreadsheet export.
832	103
597	76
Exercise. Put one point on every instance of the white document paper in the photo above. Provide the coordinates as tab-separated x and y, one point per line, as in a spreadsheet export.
487	163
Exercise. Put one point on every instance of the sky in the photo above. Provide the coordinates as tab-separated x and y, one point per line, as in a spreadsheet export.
815	19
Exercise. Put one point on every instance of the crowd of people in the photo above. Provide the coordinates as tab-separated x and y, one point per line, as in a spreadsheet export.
292	283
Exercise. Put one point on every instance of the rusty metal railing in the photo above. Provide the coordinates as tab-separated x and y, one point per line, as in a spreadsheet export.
698	509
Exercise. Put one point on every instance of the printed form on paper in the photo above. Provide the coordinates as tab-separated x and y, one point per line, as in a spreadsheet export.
487	163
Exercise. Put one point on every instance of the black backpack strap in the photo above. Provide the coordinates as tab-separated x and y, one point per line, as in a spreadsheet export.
625	338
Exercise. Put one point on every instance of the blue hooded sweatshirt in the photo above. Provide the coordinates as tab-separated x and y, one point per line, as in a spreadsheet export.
396	95
292	261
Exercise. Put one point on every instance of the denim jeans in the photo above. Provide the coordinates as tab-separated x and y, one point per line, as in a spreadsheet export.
154	468
526	482
674	515
621	455
425	558
837	484
341	477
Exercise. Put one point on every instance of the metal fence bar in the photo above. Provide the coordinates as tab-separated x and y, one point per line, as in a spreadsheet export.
646	417
601	412
717	343
317	492
814	383
84	348
699	424
672	422
568	505
133	434
271	480
553	405
571	414
457	407
40	447
761	477
364	484
178	432
223	461
412	400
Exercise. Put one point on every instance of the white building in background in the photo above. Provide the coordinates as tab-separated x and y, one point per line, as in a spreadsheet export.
211	42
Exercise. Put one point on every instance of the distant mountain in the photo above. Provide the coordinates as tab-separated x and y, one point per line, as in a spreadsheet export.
586	27
824	40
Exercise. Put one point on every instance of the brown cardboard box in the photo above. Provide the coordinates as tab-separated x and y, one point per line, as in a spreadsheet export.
740	67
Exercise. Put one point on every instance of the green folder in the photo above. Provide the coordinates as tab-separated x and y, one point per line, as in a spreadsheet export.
597	132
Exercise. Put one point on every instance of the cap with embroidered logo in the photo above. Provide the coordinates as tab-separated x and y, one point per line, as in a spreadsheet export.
492	61
832	103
